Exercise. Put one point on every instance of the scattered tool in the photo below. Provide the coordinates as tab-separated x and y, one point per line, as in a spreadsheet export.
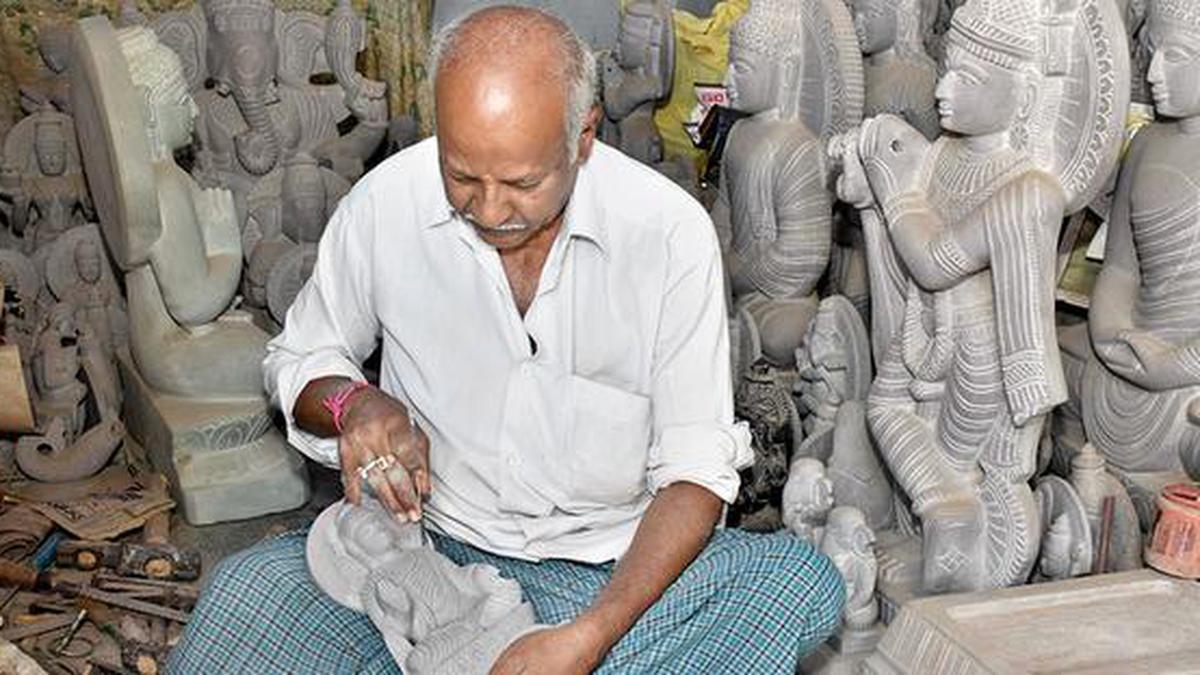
155	557
28	578
61	645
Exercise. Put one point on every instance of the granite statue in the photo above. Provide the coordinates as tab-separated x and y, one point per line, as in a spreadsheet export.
77	273
794	68
637	77
764	402
41	177
193	380
834	364
1035	95
900	76
435	616
850	544
1066	537
1141	390
286	214
264	105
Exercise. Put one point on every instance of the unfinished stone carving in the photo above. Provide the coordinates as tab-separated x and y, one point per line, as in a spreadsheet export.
834	363
638	76
264	105
435	616
40	174
850	544
900	76
807	499
78	424
1141	391
794	68
195	366
960	399
286	215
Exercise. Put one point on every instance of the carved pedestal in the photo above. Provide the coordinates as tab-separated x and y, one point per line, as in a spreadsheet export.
224	458
1130	622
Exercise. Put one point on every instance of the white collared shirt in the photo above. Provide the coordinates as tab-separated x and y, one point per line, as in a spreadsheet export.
547	453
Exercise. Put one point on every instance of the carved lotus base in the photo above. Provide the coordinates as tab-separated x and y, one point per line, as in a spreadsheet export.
224	458
1139	621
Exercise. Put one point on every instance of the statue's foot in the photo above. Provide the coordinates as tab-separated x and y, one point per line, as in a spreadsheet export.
953	550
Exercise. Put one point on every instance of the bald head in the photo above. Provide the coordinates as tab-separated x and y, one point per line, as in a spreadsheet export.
521	54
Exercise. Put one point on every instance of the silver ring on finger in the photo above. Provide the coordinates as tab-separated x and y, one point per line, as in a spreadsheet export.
380	462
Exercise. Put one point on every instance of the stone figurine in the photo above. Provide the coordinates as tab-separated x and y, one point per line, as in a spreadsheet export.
1066	548
900	76
77	403
78	274
1035	95
263	104
794	68
286	214
834	363
435	616
850	544
194	382
763	400
1141	391
41	175
807	499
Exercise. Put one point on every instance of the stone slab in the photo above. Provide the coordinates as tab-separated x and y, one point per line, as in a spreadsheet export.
224	458
1131	622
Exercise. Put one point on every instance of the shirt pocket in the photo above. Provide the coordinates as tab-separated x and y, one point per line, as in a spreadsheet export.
609	443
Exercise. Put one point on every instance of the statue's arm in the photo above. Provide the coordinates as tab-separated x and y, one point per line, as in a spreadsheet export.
792	265
936	255
1115	292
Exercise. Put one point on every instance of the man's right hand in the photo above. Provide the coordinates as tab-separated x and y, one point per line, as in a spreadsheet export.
376	425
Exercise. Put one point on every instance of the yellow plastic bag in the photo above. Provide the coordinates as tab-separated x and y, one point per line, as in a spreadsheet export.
701	55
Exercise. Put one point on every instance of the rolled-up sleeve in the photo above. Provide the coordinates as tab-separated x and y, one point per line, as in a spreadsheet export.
331	326
695	437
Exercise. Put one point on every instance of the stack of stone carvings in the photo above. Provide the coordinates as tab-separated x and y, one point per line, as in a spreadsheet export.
891	284
216	141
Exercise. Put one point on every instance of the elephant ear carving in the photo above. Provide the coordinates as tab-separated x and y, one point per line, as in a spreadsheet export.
301	40
185	32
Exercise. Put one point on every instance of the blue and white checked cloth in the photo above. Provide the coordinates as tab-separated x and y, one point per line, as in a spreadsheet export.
750	603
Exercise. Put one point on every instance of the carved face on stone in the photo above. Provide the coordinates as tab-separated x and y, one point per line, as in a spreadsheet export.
976	97
1174	74
242	52
752	80
50	147
821	365
88	261
874	24
369	533
304	204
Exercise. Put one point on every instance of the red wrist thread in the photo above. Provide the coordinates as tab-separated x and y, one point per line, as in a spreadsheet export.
337	402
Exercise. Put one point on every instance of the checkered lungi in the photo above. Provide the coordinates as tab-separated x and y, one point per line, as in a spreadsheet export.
749	603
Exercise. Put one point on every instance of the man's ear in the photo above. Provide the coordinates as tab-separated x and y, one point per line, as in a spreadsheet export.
587	137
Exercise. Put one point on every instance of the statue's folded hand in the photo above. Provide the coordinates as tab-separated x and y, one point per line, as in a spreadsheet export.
892	154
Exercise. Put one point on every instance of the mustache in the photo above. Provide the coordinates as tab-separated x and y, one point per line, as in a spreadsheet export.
514	226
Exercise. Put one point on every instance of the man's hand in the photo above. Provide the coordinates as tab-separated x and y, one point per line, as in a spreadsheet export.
375	425
570	648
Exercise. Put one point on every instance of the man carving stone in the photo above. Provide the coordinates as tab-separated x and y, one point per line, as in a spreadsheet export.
554	397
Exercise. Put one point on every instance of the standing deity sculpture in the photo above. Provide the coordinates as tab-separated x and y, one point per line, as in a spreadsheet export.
286	214
795	70
262	104
1034	95
195	376
637	77
900	76
40	174
435	616
1141	391
78	274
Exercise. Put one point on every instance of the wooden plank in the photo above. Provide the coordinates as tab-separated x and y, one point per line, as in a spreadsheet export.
16	414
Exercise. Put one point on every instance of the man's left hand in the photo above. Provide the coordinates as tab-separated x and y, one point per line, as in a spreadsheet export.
570	648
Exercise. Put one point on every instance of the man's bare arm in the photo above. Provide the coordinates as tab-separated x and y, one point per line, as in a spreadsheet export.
674	530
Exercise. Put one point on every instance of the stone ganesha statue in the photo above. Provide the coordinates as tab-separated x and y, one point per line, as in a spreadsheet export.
1034	95
794	68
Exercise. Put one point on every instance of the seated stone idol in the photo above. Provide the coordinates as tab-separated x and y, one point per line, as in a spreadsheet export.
1034	98
196	366
773	212
1141	394
900	76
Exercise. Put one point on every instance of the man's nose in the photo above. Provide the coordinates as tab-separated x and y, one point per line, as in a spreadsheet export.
490	208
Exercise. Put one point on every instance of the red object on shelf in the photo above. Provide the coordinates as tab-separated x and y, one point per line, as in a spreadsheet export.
1175	546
